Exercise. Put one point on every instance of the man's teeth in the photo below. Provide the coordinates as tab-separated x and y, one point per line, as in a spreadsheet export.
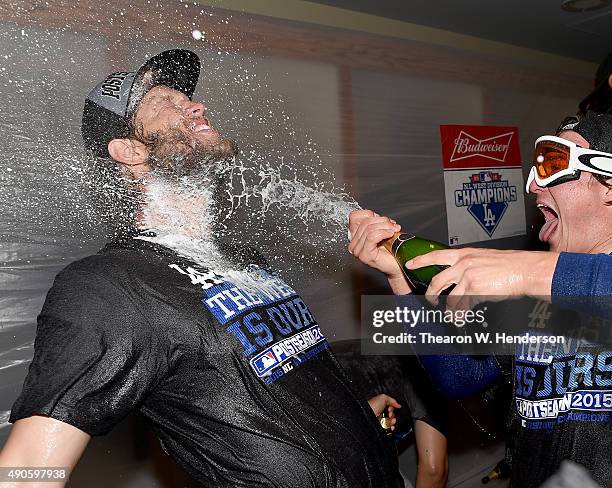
548	212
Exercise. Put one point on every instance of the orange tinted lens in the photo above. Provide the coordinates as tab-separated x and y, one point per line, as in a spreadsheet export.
550	158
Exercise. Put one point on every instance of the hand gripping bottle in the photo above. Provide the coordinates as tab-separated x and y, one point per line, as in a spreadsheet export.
404	247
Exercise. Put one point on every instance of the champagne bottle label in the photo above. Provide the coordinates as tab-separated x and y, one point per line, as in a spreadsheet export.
404	247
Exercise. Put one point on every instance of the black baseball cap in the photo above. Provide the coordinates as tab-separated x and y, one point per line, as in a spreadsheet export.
597	130
601	84
111	104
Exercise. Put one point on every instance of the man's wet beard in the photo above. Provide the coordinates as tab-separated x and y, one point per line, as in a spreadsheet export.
185	169
173	153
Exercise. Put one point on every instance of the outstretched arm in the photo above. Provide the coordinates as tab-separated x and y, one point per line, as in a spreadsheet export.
38	442
572	280
455	376
584	282
488	274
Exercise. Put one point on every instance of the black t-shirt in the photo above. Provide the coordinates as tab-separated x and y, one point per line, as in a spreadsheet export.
562	398
240	386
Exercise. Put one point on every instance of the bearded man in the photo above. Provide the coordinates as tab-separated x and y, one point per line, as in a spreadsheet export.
224	360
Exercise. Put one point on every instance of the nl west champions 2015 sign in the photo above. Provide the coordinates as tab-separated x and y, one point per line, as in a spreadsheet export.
483	182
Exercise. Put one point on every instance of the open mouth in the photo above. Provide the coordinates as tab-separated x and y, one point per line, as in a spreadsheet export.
203	125
551	222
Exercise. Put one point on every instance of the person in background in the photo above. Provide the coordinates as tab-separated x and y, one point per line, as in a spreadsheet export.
424	409
600	99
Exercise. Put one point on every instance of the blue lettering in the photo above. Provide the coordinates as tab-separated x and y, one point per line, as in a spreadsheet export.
547	390
248	347
513	193
529	374
258	328
274	375
581	373
274	313
519	382
293	320
458	199
306	315
605	369
559	367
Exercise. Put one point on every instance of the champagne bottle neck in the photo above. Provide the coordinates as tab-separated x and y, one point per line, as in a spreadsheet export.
388	244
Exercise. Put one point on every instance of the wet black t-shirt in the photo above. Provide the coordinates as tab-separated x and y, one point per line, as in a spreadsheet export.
562	398
240	386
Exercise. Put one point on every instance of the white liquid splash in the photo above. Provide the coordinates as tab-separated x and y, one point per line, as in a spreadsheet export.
180	214
263	190
304	202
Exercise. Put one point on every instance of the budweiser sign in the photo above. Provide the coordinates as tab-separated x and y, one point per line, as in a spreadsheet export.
479	146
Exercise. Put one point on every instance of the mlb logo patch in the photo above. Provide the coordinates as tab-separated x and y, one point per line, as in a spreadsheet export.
264	362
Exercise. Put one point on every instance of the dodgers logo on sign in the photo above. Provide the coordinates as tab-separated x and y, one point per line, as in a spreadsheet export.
486	196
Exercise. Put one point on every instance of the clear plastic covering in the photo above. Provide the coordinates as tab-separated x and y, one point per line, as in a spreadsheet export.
369	139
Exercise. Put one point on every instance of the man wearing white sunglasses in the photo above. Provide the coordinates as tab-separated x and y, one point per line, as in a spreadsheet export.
560	159
571	178
572	181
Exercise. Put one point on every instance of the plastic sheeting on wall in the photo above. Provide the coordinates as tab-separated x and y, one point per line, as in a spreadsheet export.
45	216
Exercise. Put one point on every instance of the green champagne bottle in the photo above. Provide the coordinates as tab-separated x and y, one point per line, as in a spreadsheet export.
404	247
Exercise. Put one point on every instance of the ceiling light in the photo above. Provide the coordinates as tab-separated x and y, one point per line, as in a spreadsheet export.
584	5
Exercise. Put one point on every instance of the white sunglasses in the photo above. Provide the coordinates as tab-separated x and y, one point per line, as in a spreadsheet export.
557	160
